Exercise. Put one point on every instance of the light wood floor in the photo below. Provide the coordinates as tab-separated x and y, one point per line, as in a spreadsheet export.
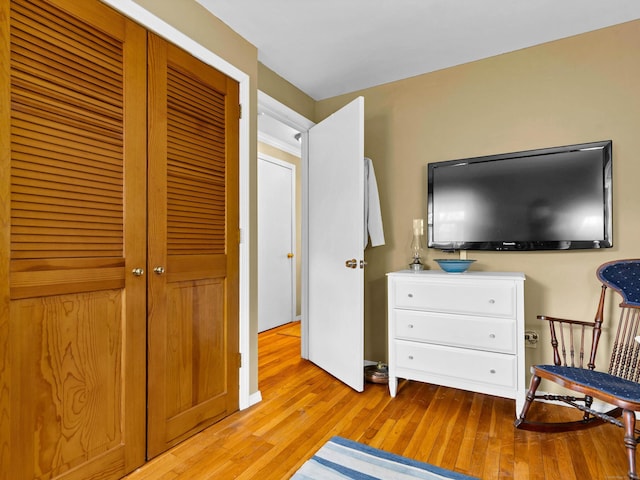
303	407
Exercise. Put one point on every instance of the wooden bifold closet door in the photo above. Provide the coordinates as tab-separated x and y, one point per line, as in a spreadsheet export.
85	216
72	324
193	245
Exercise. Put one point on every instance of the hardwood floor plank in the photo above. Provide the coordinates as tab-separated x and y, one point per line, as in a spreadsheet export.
505	438
405	419
302	407
444	440
470	433
478	451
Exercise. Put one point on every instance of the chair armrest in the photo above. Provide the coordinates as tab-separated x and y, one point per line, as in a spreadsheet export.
563	331
565	320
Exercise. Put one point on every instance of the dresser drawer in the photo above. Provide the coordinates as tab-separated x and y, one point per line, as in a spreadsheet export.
484	333
471	366
490	298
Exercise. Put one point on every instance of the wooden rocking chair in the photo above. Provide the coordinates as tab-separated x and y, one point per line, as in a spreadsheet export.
618	386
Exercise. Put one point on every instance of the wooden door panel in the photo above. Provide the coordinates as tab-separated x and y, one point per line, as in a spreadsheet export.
193	225
73	220
34	278
196	346
70	391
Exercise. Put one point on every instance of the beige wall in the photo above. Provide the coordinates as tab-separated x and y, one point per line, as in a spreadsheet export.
579	89
285	92
287	157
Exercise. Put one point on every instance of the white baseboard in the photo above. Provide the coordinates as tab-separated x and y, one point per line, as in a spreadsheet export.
254	398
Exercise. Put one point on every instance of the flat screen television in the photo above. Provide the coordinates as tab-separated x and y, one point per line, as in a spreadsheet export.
547	199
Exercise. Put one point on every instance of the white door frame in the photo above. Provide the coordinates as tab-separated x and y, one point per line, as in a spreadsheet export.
292	263
153	23
286	115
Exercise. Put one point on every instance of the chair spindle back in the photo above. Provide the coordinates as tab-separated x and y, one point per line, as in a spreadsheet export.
570	336
623	276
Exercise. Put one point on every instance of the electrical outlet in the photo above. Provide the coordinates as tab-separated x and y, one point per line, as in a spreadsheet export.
530	338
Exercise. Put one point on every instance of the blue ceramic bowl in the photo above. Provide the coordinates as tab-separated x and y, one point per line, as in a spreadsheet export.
454	266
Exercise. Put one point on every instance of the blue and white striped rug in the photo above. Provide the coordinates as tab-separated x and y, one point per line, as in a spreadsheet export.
340	458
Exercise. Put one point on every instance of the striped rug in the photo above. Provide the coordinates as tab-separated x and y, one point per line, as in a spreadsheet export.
340	458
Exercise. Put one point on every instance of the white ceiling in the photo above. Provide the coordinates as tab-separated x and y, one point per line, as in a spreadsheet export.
330	47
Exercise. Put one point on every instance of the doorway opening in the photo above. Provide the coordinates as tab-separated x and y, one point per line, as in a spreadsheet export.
280	137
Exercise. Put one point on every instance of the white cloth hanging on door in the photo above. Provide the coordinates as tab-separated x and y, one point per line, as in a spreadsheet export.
372	216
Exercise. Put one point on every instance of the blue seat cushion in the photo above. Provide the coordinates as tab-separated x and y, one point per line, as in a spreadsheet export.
609	384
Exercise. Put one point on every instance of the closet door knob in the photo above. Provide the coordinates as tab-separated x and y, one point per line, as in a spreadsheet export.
158	270
138	272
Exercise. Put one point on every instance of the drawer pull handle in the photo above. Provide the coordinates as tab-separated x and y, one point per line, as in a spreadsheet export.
410	357
492	301
410	295
410	326
492	371
492	335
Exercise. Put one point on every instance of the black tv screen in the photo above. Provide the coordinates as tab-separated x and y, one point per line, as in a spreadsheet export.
545	199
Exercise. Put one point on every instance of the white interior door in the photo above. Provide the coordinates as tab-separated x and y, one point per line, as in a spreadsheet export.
335	203
276	243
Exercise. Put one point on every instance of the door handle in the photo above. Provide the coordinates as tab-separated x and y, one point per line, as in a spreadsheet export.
289	255
353	263
158	270
138	272
363	263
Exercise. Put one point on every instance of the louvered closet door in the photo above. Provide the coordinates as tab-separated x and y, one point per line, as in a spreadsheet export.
72	218
193	245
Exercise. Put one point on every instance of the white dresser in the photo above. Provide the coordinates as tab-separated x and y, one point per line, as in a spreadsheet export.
458	330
